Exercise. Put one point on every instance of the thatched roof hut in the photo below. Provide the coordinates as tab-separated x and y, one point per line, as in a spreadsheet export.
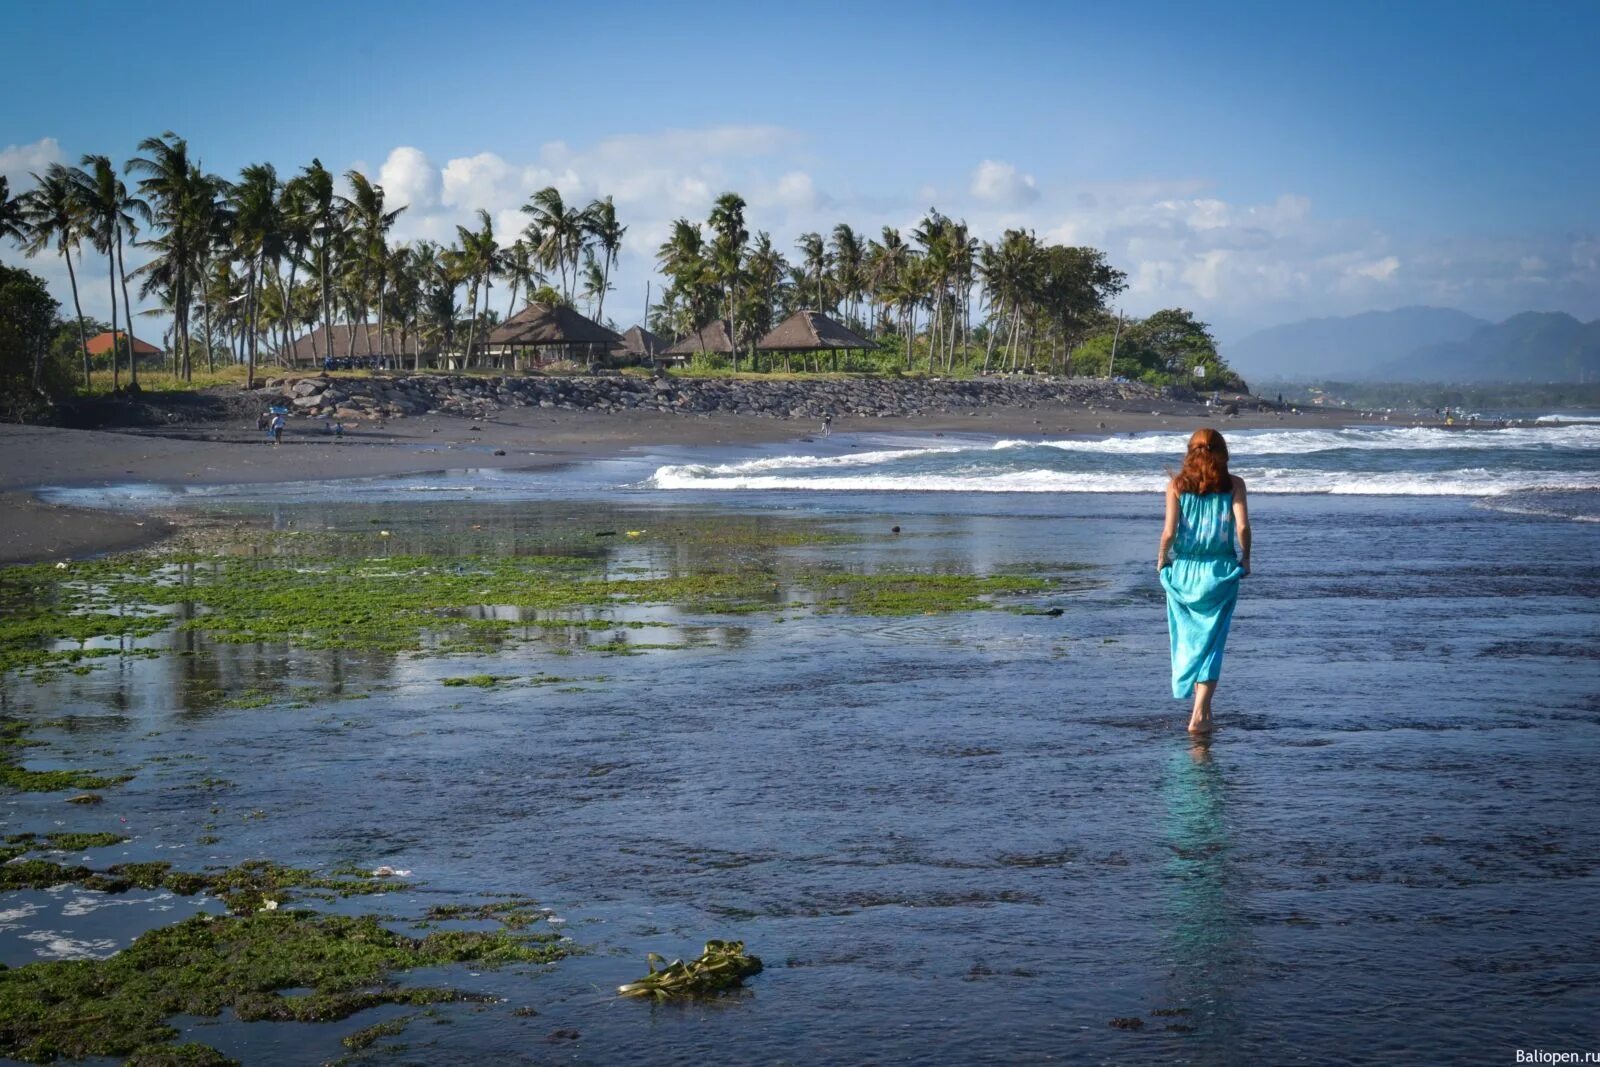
811	331
357	340
640	343
712	337
542	325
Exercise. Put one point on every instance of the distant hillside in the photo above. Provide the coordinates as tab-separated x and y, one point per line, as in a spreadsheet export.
1535	346
1350	348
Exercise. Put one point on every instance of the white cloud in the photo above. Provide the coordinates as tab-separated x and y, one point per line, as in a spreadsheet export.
1380	270
409	178
19	161
1001	184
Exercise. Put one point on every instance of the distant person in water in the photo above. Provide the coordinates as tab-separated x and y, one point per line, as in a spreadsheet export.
827	424
276	429
1200	568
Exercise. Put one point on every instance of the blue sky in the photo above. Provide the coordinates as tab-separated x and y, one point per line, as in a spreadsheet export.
1255	162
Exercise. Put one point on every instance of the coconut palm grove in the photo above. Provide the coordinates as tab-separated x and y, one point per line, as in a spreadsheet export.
244	266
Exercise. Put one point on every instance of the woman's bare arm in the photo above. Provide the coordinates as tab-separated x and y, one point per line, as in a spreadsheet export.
1241	522
1169	532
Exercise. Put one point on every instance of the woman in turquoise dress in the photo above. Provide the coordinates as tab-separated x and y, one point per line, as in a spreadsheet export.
1200	568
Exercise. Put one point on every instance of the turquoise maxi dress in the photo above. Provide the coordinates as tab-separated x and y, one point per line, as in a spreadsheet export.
1202	583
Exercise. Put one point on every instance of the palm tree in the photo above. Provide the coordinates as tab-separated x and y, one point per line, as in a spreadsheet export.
184	206
109	211
479	259
558	233
405	296
53	218
600	222
690	297
815	254
518	265
765	268
369	227
440	275
327	235
887	260
848	261
594	284
727	258
12	223
257	239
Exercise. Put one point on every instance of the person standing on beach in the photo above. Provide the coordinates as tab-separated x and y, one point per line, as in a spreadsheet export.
1200	569
277	429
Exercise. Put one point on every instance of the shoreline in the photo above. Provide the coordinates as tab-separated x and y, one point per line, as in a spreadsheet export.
233	452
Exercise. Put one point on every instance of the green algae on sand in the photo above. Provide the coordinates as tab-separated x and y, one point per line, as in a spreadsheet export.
54	619
206	964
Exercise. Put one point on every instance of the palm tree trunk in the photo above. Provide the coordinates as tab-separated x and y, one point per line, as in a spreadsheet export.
383	287
116	367
250	325
988	353
83	337
472	324
205	307
327	310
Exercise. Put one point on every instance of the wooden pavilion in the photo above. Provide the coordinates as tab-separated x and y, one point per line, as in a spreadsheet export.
812	332
712	337
639	345
547	327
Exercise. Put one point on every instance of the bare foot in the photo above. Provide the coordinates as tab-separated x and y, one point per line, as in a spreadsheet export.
1200	724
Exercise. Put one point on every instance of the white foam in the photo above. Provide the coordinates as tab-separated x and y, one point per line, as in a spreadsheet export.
1301	442
780	463
54	945
1465	482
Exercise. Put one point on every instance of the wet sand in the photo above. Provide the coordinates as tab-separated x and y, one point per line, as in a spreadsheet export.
35	457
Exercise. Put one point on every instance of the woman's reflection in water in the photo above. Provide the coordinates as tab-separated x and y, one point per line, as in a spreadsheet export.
1206	932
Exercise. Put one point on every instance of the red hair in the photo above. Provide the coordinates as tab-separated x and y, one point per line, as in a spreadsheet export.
1205	465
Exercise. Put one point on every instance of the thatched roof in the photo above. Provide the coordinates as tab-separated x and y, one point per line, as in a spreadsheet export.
808	331
358	339
542	324
640	342
712	337
100	344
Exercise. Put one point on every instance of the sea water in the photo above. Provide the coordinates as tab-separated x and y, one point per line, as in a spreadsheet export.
963	838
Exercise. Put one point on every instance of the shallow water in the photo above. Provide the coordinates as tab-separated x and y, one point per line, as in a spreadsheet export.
975	837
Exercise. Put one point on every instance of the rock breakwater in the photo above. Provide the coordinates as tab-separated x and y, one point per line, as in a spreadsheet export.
473	396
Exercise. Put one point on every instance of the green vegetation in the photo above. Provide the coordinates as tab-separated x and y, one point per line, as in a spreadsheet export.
66	619
66	842
514	913
482	681
1166	348
722	966
29	376
207	964
365	1036
244	889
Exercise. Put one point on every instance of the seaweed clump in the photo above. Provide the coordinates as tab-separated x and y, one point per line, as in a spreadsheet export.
722	966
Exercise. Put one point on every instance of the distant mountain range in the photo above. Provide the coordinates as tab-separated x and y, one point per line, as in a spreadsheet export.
1424	344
